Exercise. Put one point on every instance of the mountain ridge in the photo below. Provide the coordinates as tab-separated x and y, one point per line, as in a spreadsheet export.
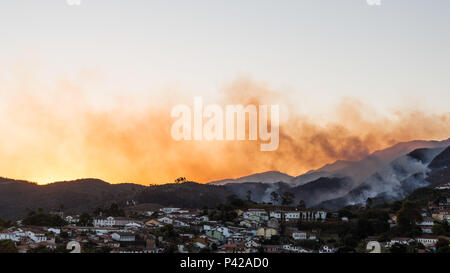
392	180
345	168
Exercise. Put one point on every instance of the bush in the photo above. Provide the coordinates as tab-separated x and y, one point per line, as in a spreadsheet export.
399	248
7	246
445	249
44	219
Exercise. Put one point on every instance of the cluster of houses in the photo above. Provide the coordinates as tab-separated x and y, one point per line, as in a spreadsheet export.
196	232
440	210
244	236
437	211
445	186
250	232
31	237
112	237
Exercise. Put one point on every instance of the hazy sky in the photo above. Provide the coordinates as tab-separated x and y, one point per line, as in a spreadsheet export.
315	52
319	49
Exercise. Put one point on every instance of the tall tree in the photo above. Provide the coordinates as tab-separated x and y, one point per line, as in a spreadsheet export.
7	246
287	198
85	220
180	180
301	204
249	195
408	216
275	197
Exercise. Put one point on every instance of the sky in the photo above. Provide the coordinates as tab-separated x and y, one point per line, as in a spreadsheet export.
66	71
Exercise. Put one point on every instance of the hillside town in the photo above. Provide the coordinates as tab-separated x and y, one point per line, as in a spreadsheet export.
237	227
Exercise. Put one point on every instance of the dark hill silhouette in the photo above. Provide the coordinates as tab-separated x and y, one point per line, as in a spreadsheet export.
442	160
18	197
417	168
185	195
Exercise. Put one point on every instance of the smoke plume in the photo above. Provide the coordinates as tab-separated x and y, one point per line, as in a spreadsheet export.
57	134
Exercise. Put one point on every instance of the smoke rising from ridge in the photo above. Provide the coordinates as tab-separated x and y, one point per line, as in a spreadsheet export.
56	134
394	181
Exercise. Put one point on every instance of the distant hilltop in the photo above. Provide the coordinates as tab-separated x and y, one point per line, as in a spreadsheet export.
385	175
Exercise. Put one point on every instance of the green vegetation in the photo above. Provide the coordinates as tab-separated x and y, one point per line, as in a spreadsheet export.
44	249
85	220
424	195
287	198
43	219
113	210
180	180
407	217
373	221
7	246
309	244
227	211
167	232
4	224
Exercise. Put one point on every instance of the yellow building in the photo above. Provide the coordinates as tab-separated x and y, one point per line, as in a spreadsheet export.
266	232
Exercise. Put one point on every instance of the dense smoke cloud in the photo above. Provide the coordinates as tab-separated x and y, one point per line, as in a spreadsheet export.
54	134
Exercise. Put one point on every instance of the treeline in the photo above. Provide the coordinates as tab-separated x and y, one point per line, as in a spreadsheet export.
114	210
5	224
42	218
226	211
184	195
374	221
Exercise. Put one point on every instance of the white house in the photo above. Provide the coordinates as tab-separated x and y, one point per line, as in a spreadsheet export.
443	187
124	237
121	221
296	249
104	222
169	210
303	235
179	223
299	215
427	225
165	220
133	225
427	222
224	230
313	215
321	215
299	235
275	214
427	229
56	231
245	223
252	244
255	212
235	238
9	236
327	249
292	216
427	240
206	227
148	213
36	237
402	241
71	219
200	245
